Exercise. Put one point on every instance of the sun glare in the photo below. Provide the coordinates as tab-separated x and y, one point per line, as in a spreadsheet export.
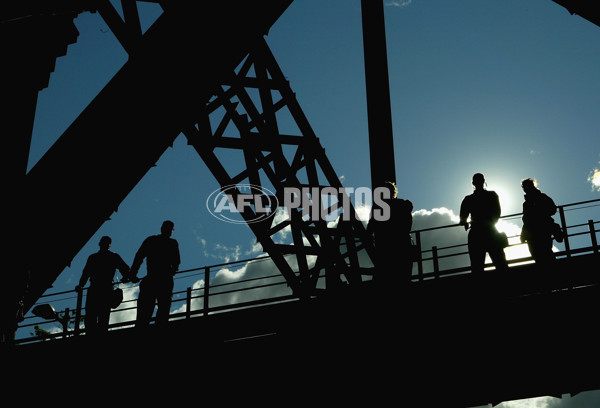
510	201
516	249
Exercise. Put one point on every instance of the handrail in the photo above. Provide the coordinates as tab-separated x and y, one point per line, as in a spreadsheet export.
208	292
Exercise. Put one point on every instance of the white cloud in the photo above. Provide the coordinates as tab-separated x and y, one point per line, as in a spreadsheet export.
130	296
594	179
281	215
363	213
541	402
434	218
256	248
398	3
224	253
264	274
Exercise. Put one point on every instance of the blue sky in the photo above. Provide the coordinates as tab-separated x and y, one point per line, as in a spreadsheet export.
507	88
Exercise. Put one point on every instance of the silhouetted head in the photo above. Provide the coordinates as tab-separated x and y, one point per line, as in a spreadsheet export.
478	180
529	185
167	228
390	185
105	242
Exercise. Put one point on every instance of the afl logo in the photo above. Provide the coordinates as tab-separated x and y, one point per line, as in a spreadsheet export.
230	202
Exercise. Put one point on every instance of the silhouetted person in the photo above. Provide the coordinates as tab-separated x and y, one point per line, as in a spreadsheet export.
100	269
538	210
484	208
392	239
15	287
162	261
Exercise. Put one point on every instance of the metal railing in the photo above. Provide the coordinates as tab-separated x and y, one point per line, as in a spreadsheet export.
428	266
209	296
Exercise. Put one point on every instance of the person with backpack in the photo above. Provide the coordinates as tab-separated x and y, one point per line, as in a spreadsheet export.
538	224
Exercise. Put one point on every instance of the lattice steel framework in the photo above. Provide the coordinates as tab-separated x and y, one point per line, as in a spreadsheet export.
250	100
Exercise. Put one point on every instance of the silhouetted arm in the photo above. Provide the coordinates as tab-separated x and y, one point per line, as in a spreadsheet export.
176	257
123	268
85	274
497	209
139	258
464	212
551	206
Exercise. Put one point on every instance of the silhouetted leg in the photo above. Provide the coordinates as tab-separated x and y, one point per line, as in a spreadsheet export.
532	249
540	248
91	313
103	319
387	264
91	322
164	302
145	304
498	258
476	252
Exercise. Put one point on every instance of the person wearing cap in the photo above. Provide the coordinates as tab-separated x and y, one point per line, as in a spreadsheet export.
100	269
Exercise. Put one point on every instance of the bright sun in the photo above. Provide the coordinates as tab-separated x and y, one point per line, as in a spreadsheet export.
510	202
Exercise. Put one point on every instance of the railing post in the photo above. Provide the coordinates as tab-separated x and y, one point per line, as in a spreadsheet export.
188	303
593	235
206	289
65	323
420	261
563	225
78	312
436	265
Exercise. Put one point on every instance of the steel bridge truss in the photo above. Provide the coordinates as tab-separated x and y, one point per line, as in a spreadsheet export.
242	117
221	114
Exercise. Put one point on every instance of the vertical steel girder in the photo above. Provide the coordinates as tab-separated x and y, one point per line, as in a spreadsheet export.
379	110
250	100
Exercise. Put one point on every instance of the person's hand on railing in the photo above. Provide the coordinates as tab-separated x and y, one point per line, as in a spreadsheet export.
133	279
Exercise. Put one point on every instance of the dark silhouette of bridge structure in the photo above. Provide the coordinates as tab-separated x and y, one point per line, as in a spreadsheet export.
332	315
475	339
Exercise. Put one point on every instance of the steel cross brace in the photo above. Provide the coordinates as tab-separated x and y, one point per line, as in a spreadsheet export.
250	100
